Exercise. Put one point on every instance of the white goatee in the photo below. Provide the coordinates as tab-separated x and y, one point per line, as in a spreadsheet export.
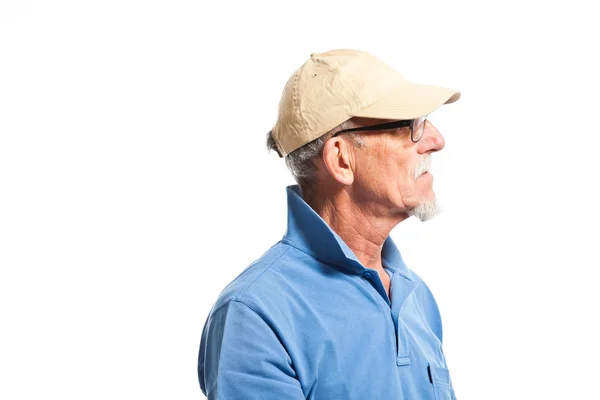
427	209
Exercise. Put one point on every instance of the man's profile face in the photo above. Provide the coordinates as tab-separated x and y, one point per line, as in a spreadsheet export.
387	174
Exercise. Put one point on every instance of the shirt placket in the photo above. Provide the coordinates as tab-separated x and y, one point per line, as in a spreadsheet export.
401	287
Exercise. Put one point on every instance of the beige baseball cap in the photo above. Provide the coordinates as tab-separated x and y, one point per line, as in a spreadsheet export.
334	86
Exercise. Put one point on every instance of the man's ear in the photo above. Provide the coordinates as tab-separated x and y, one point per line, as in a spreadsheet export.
338	157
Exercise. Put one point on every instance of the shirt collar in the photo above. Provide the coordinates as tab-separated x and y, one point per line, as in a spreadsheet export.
308	232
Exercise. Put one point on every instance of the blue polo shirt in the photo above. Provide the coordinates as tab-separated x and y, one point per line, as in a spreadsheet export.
308	321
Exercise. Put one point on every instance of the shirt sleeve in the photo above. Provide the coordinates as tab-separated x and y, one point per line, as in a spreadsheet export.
241	357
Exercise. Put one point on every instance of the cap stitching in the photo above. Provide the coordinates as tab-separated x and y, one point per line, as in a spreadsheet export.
296	109
343	79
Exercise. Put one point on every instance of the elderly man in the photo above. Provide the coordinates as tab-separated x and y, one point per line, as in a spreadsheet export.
331	311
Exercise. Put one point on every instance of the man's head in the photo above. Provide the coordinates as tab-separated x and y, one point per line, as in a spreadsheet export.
380	167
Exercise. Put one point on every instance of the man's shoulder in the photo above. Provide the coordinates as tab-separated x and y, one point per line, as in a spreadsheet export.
259	283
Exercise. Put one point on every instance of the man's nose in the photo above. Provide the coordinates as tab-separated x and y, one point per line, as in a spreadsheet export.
432	139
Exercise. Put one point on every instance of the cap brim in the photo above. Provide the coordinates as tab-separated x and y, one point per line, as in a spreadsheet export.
410	101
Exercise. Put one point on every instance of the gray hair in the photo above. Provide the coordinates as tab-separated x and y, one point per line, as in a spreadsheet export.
300	162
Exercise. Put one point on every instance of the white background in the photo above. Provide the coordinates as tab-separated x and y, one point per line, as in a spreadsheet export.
135	183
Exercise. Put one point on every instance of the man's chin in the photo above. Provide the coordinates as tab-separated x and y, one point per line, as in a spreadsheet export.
426	210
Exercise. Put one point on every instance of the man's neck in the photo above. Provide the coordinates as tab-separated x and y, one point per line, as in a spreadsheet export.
360	226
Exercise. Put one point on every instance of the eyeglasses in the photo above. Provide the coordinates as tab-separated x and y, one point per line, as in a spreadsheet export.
417	127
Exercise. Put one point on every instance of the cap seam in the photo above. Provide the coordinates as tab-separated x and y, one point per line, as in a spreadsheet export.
296	110
356	97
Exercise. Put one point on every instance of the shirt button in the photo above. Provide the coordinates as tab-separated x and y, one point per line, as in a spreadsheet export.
368	275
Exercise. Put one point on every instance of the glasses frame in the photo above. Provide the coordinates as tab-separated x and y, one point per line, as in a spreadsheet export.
389	126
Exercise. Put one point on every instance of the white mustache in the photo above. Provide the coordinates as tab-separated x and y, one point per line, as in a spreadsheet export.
423	166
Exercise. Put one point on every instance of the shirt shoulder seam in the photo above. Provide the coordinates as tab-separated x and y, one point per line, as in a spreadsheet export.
238	296
247	302
268	266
